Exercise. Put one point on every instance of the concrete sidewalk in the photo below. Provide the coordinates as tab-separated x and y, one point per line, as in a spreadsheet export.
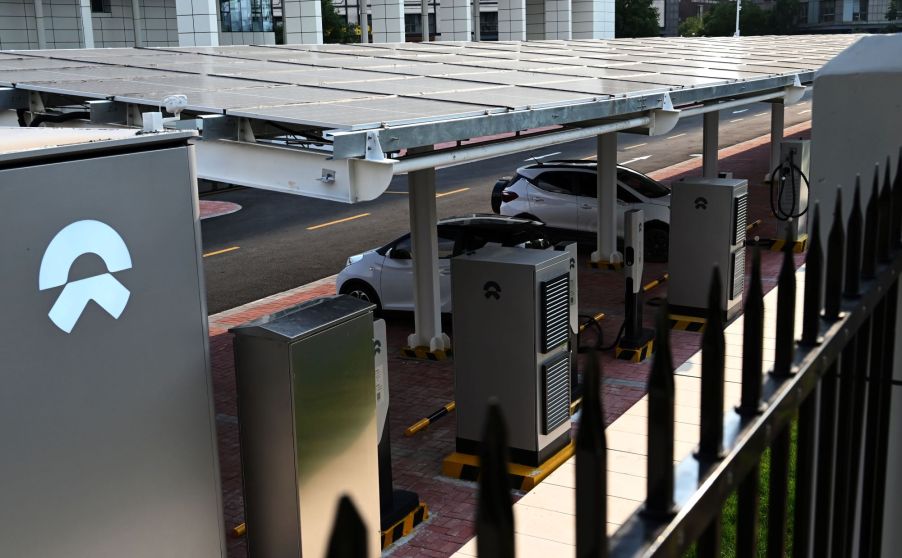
420	387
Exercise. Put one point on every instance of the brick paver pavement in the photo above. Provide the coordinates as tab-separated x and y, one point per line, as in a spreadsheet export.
418	387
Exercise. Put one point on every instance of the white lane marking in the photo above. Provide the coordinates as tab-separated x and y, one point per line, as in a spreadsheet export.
804	111
634	146
642	158
676	136
739	111
736	120
695	154
543	156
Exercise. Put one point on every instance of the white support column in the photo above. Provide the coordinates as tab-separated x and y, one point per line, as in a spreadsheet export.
456	23
137	23
558	21
303	22
477	34
388	21
776	134
39	23
87	26
511	20
424	242
424	20
606	248
709	144
593	19
197	22
364	21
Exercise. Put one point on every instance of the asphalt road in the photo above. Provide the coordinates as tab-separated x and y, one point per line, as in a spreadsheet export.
279	241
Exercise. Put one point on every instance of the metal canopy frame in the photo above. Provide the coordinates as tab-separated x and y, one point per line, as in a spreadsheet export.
401	96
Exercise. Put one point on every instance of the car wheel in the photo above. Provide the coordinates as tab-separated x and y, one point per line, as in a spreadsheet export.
359	289
657	243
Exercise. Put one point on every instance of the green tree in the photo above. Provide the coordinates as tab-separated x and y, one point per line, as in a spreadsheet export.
636	18
692	27
892	11
720	21
335	28
785	17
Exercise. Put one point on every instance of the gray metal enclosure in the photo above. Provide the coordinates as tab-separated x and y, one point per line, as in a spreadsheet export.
512	327
106	416
707	227
307	407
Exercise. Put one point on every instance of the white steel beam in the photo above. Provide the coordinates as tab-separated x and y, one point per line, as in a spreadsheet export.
424	242
87	25
709	144
292	171
138	23
606	248
39	22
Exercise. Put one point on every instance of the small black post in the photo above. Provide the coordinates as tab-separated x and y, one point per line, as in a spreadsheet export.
853	246
814	273
897	204
591	469
885	212
348	538
494	510
804	478
659	489
710	447
777	495
871	217
786	306
753	340
747	515
835	245
869	485
826	443
842	504
862	342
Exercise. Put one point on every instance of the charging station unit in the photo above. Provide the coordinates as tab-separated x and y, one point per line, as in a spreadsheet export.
572	249
307	414
400	511
707	227
791	196
512	325
637	342
106	410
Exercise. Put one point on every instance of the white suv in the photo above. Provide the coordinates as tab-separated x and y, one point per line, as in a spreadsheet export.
562	195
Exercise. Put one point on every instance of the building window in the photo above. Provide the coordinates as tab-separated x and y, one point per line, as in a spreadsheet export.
413	24
488	26
100	7
828	11
803	11
245	15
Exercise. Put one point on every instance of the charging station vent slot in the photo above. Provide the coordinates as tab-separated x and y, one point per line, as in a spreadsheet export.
740	217
555	304
556	393
737	281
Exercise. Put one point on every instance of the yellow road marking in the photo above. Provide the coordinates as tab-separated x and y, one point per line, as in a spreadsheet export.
330	223
634	146
223	251
459	190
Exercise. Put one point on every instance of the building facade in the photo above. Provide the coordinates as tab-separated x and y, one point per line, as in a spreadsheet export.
40	24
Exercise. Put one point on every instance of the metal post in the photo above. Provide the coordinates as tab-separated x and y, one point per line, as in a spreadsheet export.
738	9
424	17
777	114
606	249
39	23
476	15
137	23
364	22
87	26
424	241
709	144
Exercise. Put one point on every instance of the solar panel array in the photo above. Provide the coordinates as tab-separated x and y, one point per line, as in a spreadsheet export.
346	87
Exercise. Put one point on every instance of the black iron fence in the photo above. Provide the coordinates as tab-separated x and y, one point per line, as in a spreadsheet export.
833	382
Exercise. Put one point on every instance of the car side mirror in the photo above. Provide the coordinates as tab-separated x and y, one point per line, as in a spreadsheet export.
399	254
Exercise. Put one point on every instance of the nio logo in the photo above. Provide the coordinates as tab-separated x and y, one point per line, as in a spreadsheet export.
701	203
77	239
492	290
572	263
377	346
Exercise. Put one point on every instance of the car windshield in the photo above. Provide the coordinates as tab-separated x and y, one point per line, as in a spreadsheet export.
642	184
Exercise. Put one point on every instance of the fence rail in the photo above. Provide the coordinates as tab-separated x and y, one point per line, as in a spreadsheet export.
834	382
